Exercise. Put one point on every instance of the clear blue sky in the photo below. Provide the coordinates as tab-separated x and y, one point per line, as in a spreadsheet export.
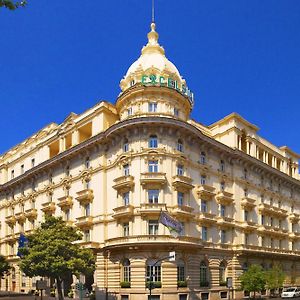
61	56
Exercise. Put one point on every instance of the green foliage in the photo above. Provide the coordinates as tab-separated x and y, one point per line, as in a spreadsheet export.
125	284
254	279
4	266
11	4
51	252
181	283
274	278
153	284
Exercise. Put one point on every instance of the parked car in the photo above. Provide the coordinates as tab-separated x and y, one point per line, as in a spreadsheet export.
290	292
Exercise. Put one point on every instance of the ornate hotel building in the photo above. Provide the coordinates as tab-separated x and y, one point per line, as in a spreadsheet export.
113	168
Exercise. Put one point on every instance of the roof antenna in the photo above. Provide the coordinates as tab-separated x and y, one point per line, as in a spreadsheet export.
153	19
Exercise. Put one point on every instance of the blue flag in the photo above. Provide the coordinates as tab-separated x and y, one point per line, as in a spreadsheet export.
23	242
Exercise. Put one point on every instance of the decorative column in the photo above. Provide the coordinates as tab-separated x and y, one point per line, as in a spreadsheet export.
75	137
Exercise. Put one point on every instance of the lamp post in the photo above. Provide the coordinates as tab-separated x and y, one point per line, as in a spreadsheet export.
171	257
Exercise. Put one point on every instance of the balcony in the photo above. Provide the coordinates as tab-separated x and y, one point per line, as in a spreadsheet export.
206	192
48	208
224	198
65	202
31	213
153	179
152	209
10	220
294	218
122	212
225	222
124	183
248	203
84	222
294	235
248	225
136	240
11	238
273	231
182	183
207	218
272	210
182	211
85	196
20	217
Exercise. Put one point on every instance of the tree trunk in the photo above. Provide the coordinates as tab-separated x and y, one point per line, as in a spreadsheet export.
254	294
59	288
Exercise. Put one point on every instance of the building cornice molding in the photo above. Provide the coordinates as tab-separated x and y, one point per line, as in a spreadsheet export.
106	136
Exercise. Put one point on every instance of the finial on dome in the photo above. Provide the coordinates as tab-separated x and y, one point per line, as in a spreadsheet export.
153	35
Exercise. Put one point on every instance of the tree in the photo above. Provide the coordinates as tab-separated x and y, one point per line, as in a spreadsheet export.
274	278
4	265
253	280
51	252
11	4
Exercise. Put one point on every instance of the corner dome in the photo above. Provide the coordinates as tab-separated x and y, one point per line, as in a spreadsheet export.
151	61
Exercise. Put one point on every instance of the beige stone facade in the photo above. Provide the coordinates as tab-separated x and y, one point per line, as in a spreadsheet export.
112	169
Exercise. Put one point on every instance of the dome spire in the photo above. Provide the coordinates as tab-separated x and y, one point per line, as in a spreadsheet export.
153	15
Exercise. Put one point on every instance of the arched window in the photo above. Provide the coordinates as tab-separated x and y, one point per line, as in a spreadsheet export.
222	273
153	143
125	145
180	145
204	280
181	282
154	272
126	271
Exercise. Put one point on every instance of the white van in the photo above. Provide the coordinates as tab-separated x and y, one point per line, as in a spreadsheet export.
290	292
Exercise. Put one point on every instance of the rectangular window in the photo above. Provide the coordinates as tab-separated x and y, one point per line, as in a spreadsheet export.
87	162
222	210
203	206
124	297
153	166
67	215
126	198
223	295
153	143
12	174
87	236
222	186
129	111
222	166
32	162
22	169
180	170
246	239
126	170
203	158
246	215
152	107
223	236
262	220
153	227
263	241
125	229
87	210
180	198
203	179
153	196
204	233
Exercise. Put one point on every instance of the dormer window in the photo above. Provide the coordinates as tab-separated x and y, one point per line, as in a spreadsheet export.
87	162
176	112
125	145
152	107
153	141
203	158
222	165
179	145
129	111
132	82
